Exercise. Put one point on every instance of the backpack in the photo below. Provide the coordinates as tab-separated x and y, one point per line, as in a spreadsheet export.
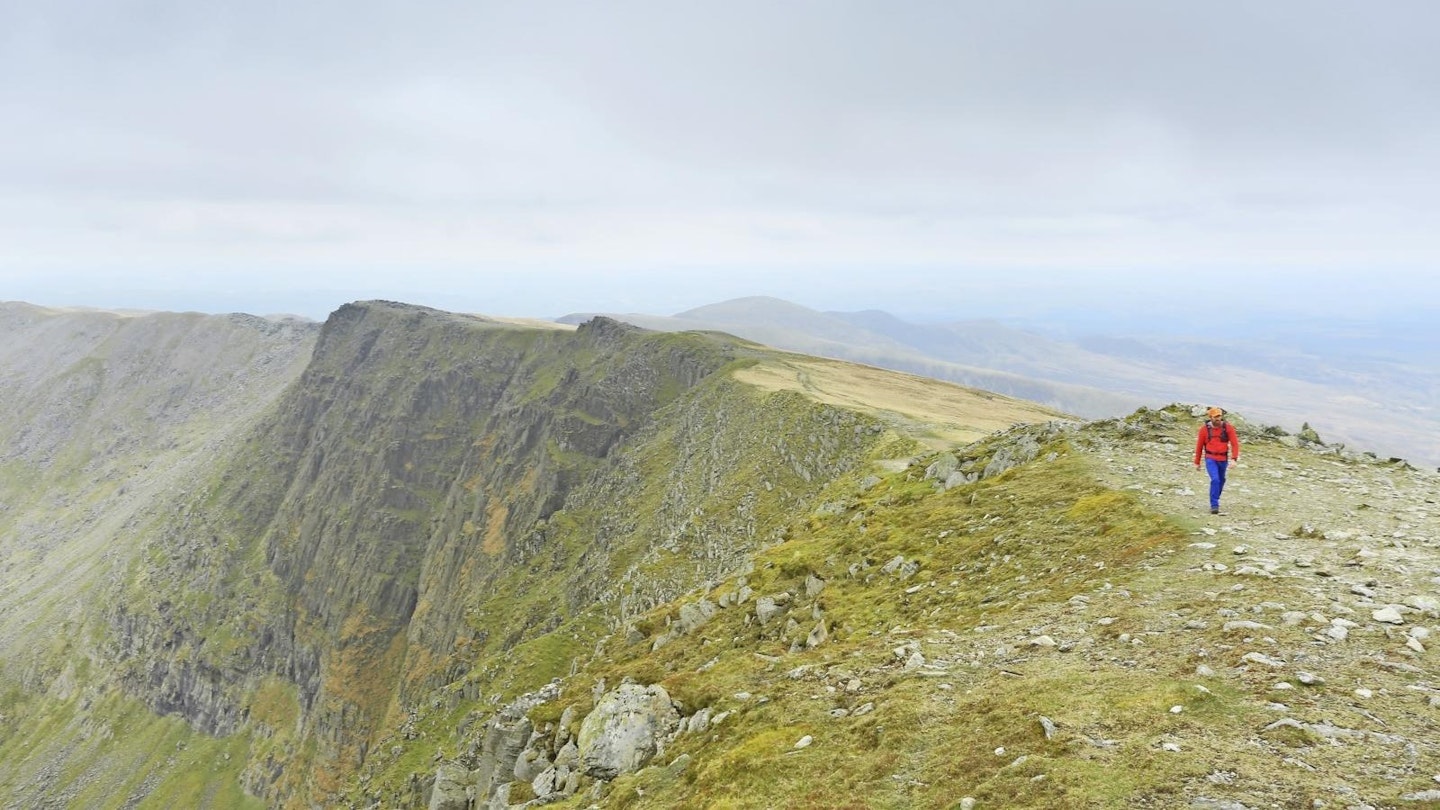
1226	432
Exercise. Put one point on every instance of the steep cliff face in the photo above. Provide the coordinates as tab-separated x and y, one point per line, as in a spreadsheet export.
434	497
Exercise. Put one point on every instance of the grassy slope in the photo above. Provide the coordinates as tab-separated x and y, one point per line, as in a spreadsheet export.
1043	533
939	414
104	750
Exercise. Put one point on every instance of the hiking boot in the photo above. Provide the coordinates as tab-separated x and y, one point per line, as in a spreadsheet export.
1215	510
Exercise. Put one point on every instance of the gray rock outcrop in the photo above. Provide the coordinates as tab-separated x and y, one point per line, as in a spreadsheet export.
627	728
452	788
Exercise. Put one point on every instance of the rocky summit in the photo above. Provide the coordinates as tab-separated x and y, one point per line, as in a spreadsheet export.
415	559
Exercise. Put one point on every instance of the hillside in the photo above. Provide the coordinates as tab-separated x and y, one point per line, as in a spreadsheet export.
104	414
437	499
461	563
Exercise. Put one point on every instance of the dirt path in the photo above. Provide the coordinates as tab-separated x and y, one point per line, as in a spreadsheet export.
1310	607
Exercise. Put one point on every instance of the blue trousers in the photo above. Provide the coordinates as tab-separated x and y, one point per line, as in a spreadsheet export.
1217	479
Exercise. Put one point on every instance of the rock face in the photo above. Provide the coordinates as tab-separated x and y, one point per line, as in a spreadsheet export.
627	728
505	741
436	490
452	789
413	460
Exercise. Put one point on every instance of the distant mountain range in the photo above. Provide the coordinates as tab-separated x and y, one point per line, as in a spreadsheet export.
1377	390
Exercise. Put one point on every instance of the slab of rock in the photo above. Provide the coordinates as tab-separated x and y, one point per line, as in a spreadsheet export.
1261	658
1389	615
451	791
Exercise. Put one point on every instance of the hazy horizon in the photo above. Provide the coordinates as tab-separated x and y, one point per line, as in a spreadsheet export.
1184	166
1257	308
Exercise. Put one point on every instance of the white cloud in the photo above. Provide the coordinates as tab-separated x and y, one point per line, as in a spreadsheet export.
764	139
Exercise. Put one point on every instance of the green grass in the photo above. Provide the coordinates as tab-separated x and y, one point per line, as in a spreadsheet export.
116	753
1040	533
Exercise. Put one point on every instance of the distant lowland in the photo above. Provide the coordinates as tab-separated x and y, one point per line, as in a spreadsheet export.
1374	386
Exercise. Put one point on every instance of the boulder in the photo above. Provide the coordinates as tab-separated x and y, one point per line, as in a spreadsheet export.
694	616
942	467
627	728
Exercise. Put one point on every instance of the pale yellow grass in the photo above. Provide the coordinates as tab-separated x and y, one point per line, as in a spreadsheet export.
538	323
937	413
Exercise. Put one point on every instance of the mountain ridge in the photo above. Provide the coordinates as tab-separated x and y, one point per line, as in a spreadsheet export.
1388	401
437	565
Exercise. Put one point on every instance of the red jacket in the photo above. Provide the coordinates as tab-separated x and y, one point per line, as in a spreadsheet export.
1217	441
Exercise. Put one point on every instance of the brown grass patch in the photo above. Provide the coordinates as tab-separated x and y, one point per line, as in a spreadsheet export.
942	414
495	517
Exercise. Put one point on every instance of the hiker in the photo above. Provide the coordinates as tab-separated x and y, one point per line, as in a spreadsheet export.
1218	445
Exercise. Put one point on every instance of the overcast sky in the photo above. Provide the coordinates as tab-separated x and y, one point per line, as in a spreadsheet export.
933	159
